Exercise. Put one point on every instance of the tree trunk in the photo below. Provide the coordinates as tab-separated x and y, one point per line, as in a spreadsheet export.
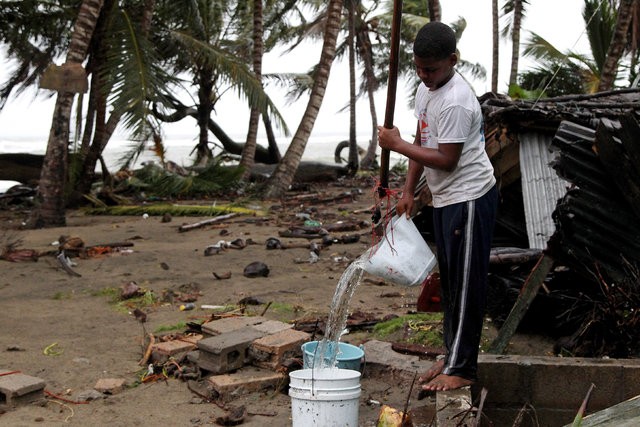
272	147
496	45
617	45
49	211
282	178
435	11
353	143
369	158
104	128
515	41
249	150
205	106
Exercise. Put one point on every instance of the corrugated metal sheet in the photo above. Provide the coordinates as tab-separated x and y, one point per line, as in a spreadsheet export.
541	187
595	224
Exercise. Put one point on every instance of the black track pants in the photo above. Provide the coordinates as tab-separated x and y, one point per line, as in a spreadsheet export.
463	234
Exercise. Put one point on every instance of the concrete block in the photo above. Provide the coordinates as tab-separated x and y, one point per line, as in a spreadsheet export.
507	378
19	389
564	385
556	384
227	352
244	381
230	324
384	362
272	350
272	326
162	351
631	378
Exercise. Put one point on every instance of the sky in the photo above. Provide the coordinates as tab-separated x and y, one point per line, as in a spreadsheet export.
558	21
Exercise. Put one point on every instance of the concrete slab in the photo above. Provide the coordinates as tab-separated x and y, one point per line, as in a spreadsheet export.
382	361
230	324
272	326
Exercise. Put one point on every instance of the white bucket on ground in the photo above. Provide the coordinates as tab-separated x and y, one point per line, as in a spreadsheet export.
325	397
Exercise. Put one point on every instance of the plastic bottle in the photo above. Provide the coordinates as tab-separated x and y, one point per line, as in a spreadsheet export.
187	306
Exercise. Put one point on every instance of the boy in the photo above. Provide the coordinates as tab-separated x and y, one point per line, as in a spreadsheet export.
449	150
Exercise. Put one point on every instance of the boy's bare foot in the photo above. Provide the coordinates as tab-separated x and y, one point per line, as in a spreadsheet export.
444	382
432	372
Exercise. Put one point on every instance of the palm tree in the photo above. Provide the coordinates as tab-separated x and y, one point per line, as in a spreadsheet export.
32	36
206	40
352	166
282	177
126	77
601	21
249	150
435	11
50	209
618	44
515	41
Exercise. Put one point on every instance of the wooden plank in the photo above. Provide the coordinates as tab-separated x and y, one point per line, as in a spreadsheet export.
527	294
625	414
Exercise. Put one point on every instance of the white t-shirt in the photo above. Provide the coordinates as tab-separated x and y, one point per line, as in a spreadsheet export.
451	114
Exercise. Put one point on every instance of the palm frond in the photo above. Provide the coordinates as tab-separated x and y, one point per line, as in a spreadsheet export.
133	75
539	48
232	71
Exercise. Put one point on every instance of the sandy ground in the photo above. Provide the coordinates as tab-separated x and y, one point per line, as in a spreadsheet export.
93	338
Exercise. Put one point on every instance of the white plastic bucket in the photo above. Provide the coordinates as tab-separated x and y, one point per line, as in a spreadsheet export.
402	256
325	397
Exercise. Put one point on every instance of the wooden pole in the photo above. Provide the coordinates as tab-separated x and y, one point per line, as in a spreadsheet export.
391	90
527	294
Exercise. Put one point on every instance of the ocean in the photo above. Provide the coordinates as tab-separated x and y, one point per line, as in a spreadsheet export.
178	149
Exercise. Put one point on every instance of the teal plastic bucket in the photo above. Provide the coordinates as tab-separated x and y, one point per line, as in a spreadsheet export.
349	356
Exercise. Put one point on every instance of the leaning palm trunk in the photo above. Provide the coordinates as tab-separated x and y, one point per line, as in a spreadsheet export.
353	143
435	11
495	62
282	177
49	212
366	55
616	48
249	149
515	42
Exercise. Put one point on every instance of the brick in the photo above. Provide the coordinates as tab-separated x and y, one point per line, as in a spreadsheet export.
162	351
227	352
19	389
272	326
110	385
245	381
272	350
230	324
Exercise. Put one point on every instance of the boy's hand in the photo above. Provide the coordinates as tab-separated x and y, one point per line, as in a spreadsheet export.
405	204
388	138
